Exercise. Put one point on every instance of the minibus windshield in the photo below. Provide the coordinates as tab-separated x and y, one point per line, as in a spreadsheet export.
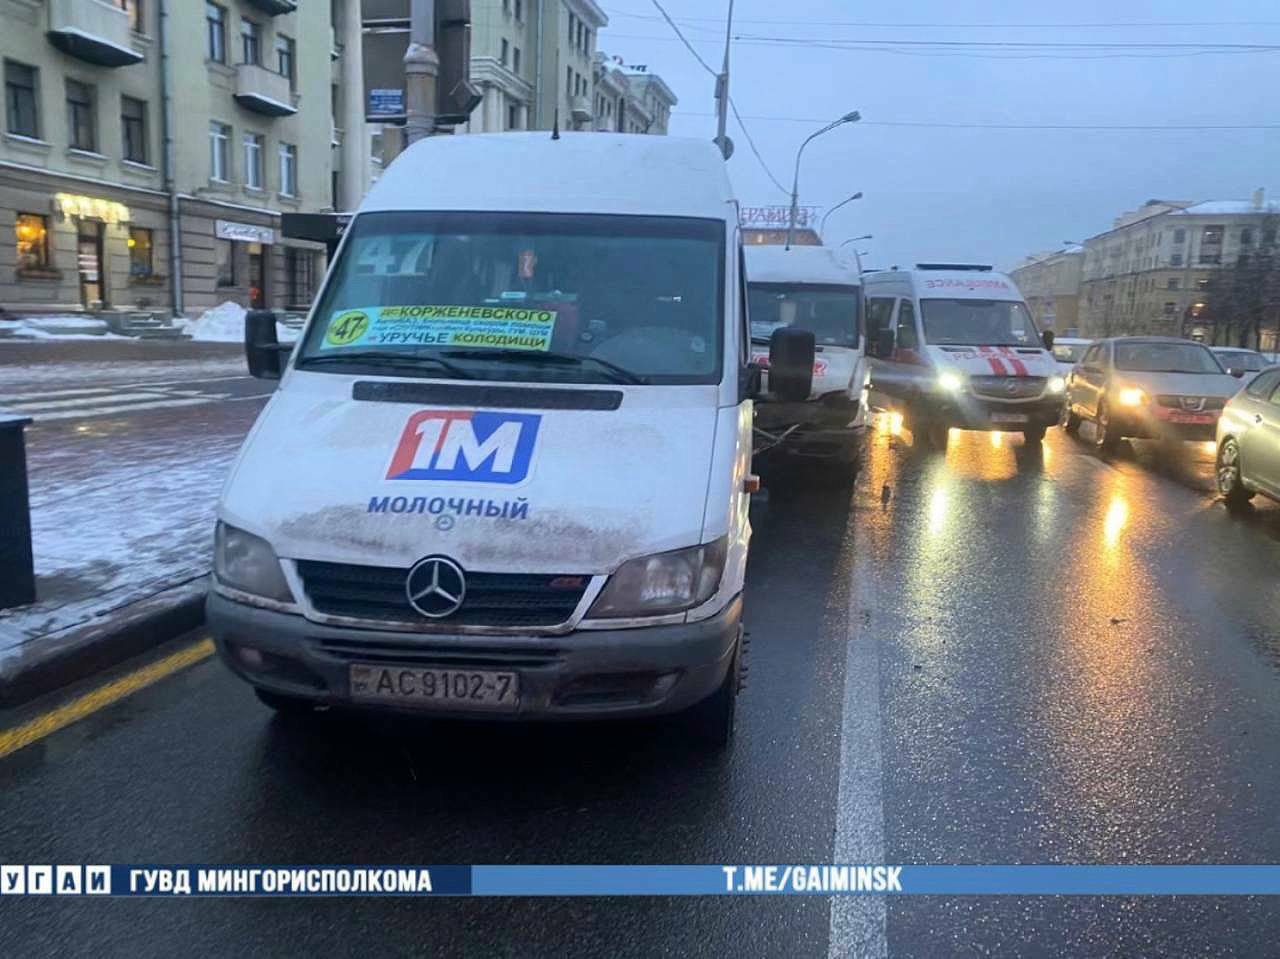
829	312
524	297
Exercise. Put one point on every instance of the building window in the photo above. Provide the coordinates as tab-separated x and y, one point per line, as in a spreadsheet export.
141	252
1179	236
568	81
136	19
513	116
82	131
253	161
288	169
1175	259
133	123
300	269
225	257
520	10
1172	283
285	60
506	7
219	152
503	56
1246	236
32	230
515	59
250	42
1170	308
1202	283
1268	235
22	116
216	27
572	21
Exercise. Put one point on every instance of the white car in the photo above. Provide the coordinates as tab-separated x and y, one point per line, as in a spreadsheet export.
1067	352
1250	362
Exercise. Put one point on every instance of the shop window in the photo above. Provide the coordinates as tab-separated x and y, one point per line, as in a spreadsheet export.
300	266
32	230
133	123
141	252
21	113
225	253
81	129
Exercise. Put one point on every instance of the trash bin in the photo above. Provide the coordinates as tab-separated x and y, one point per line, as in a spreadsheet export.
17	569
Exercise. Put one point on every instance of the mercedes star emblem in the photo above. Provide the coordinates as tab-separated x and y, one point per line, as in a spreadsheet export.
436	587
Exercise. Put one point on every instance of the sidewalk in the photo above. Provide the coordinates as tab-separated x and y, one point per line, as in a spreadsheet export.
122	504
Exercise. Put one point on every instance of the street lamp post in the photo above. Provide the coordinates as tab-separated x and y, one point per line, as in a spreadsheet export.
851	117
822	228
855	239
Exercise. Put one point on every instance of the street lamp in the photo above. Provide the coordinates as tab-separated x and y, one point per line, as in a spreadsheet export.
822	227
852	117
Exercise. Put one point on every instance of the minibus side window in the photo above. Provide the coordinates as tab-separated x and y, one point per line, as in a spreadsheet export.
907	339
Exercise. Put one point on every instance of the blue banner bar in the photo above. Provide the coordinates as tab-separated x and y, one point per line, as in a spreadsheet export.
736	880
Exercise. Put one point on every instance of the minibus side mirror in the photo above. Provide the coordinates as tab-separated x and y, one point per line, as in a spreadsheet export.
262	348
1048	338
791	356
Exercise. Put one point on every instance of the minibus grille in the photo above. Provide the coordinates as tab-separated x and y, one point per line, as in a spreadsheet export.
377	594
1007	387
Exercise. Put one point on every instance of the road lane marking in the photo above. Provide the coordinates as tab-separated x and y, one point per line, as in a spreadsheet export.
858	923
32	406
124	408
11	740
19	397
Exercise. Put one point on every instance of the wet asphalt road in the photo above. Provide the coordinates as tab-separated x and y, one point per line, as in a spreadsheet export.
1075	661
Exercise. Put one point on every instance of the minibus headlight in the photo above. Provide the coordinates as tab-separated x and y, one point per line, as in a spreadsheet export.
1057	384
950	382
248	563
663	583
1132	396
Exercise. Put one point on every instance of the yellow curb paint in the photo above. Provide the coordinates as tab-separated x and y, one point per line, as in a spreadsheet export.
11	740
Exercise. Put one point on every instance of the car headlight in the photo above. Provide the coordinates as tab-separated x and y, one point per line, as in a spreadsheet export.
951	382
248	563
663	583
1132	396
1057	384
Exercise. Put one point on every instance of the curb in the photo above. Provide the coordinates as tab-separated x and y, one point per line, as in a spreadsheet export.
62	658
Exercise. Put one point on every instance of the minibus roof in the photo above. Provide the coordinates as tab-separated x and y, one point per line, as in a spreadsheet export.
609	173
800	264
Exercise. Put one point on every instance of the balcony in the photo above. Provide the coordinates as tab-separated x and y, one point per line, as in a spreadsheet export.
93	31
581	107
263	91
274	8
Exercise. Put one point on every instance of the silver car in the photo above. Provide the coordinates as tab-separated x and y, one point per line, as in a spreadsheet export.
1150	387
1249	441
1234	358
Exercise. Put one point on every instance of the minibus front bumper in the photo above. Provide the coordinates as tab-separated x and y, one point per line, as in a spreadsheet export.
585	674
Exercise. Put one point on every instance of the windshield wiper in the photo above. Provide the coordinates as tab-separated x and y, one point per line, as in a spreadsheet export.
392	358
620	373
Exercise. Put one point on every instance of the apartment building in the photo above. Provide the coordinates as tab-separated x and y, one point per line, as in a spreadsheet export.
1149	272
1050	284
130	123
537	62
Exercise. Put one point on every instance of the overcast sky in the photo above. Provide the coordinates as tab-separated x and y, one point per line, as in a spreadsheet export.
984	195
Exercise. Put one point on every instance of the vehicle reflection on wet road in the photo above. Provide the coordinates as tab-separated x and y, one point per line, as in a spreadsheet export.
1076	660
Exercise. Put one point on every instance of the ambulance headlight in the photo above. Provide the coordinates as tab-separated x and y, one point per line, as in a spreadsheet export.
1057	384
663	583
248	563
950	382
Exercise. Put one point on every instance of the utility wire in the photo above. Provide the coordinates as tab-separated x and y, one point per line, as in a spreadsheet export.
928	124
1006	25
706	66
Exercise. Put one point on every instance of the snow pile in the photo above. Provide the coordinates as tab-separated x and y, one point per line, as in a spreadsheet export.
55	328
225	324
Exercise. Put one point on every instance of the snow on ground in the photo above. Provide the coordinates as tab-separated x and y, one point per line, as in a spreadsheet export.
225	324
57	328
119	520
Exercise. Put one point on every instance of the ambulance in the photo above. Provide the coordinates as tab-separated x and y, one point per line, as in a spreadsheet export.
811	288
507	470
954	346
